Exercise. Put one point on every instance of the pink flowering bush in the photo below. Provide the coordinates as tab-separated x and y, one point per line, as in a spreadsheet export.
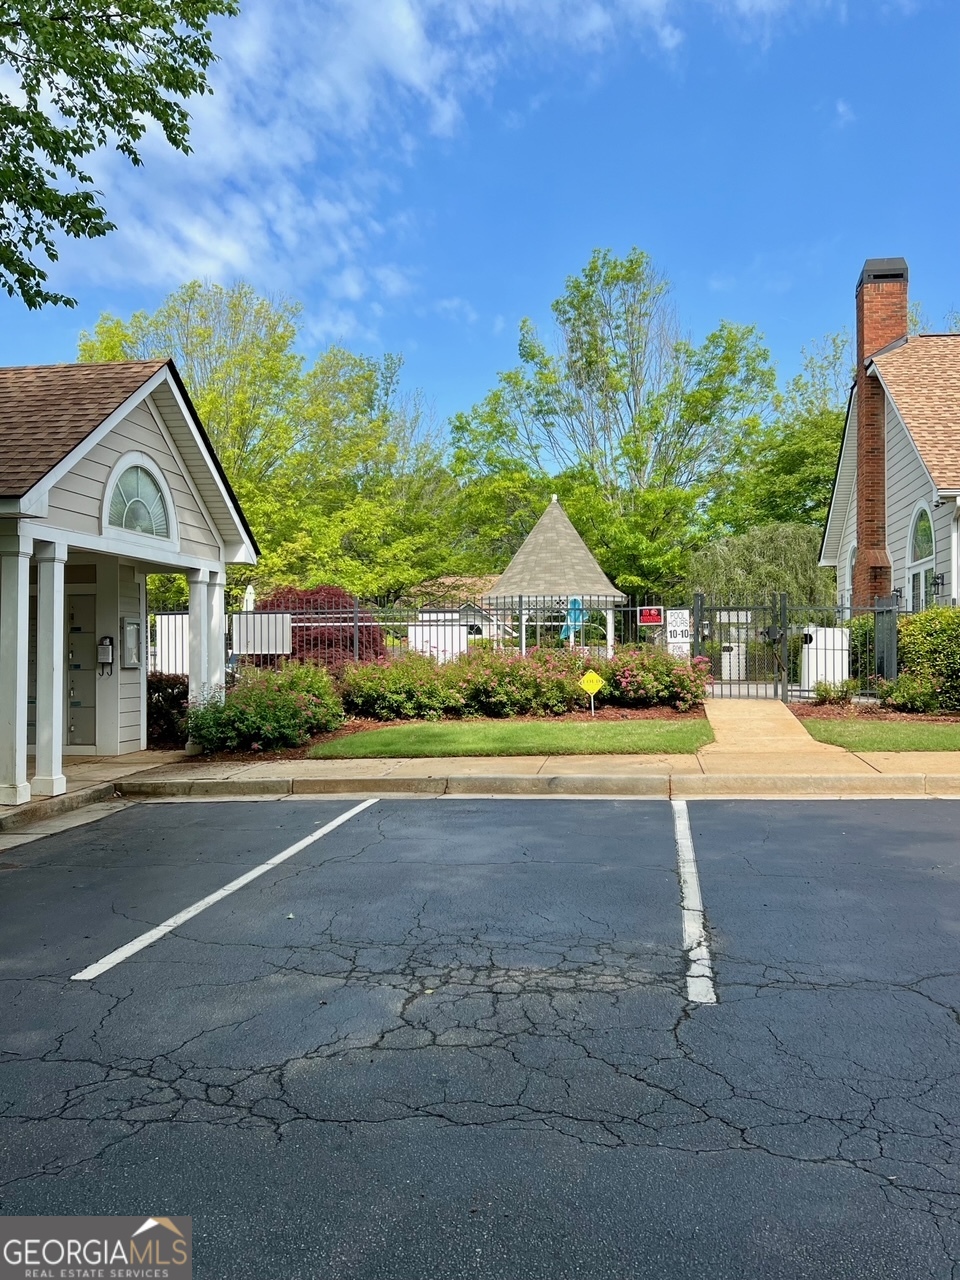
413	687
650	677
501	683
267	709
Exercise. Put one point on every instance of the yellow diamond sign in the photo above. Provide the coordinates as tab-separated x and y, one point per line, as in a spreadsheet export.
592	683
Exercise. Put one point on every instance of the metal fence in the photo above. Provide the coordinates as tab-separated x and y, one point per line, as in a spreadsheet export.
775	649
371	631
770	649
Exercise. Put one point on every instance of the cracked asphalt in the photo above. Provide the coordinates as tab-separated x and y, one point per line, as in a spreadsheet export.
451	1039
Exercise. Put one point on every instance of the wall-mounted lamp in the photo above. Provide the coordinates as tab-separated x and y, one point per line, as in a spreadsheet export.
938	581
938	504
898	593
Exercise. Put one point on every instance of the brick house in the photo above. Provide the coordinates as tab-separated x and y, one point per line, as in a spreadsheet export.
892	525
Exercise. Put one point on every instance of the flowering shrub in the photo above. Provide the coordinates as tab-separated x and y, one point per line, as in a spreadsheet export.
502	683
411	688
267	709
650	677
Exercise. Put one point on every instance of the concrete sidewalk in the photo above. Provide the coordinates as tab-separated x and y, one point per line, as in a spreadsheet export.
761	751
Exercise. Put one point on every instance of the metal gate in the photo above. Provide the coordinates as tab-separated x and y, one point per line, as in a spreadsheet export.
774	649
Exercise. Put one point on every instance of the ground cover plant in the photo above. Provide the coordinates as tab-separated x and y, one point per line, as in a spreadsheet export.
266	710
521	738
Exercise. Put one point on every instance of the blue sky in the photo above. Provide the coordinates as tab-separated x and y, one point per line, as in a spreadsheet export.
421	174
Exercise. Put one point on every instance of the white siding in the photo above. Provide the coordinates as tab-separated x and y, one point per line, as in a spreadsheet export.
908	482
76	501
848	540
130	694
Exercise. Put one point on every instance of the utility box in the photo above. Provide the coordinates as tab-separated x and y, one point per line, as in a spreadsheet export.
733	661
825	656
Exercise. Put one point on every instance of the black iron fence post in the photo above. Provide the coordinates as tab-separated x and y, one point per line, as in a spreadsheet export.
784	648
356	630
697	625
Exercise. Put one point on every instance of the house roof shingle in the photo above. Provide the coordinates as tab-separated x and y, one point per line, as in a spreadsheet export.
554	561
923	377
47	410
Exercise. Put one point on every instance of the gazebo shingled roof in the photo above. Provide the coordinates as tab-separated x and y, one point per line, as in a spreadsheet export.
554	561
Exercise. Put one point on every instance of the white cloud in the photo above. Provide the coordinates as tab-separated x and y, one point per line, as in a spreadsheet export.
456	309
844	114
318	105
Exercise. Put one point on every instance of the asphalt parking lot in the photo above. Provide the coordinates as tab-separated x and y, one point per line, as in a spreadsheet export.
458	1038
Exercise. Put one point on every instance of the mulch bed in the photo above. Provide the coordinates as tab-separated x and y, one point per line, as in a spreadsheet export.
865	711
361	726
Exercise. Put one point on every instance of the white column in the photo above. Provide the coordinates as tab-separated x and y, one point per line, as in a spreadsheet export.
14	641
610	633
218	624
198	657
49	779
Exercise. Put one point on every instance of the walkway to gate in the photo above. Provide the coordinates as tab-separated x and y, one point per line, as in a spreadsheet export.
758	736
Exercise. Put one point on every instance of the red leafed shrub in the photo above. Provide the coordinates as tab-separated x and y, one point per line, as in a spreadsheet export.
328	627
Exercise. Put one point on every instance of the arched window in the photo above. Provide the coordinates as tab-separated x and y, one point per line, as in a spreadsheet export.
137	504
922	567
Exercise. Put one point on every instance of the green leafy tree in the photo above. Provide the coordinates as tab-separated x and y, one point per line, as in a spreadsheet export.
636	428
337	471
787	471
747	567
76	76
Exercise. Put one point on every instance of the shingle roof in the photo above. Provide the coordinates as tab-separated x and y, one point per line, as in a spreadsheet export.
47	410
923	377
554	561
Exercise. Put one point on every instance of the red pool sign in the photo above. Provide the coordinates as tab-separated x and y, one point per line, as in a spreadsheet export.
650	615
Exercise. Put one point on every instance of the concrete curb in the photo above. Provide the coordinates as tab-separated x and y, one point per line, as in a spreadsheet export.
146	787
662	786
56	806
653	786
880	785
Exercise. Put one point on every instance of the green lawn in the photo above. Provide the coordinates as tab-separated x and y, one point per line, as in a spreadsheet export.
885	735
521	738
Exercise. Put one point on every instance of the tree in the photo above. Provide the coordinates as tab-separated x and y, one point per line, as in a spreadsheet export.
635	427
788	467
746	568
236	352
336	469
81	75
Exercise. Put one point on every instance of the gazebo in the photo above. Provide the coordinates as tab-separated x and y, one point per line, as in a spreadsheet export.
554	573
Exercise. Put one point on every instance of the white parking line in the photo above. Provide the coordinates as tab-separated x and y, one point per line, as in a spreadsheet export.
145	939
700	985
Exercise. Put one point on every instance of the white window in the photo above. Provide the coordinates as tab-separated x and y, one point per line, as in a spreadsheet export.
921	563
138	504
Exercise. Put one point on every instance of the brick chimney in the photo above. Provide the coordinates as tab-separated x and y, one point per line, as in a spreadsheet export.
881	320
